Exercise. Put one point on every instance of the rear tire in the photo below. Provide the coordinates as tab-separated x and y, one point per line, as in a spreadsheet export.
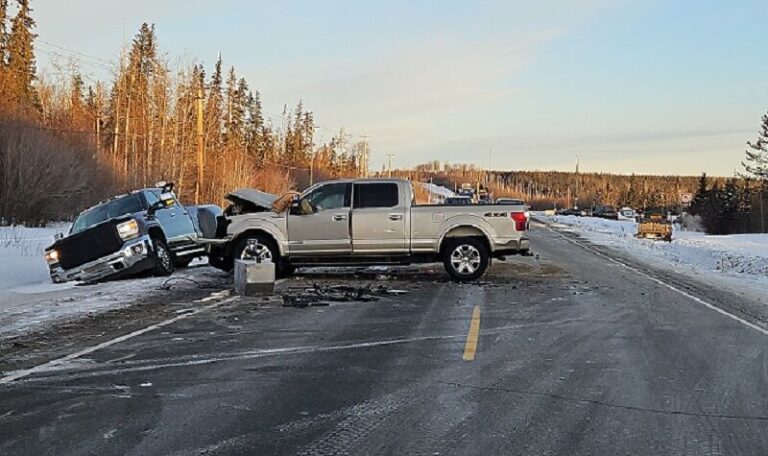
163	259
181	263
465	259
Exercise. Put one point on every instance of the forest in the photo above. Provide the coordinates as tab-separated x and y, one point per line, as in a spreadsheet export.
66	144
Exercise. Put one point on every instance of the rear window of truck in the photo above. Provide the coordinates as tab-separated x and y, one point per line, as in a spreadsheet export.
376	195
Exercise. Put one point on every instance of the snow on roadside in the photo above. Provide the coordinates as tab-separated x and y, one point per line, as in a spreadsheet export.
29	300
741	257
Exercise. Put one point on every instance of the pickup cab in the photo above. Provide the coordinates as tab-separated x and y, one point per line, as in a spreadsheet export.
143	230
366	222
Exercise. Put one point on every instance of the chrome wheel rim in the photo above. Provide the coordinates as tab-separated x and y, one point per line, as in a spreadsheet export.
162	254
255	250
465	259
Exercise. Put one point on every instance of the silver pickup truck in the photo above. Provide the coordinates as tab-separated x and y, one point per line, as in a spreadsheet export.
366	222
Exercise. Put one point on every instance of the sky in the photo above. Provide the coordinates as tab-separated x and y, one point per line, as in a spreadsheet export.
627	86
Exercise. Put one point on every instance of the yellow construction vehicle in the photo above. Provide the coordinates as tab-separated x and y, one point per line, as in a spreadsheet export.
654	224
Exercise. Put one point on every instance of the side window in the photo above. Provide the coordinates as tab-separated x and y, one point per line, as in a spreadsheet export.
330	196
376	195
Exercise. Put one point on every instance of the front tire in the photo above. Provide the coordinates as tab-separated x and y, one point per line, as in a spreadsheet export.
465	259
256	246
163	259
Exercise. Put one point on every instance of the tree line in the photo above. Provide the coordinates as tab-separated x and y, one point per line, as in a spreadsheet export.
559	189
740	205
65	143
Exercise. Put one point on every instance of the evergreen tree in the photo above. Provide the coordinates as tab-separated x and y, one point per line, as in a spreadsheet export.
756	163
21	61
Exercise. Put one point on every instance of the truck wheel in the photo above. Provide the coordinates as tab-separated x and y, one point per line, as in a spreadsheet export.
181	263
255	246
465	259
163	259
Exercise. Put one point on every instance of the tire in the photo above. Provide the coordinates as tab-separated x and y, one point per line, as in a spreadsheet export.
465	259
252	246
181	263
223	264
163	259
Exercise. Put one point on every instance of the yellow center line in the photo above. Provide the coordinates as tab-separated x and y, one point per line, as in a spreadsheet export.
470	348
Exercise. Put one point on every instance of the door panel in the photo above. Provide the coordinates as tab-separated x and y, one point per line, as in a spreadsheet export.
325	231
381	229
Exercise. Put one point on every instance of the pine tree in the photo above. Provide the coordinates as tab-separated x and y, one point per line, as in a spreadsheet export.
21	61
756	163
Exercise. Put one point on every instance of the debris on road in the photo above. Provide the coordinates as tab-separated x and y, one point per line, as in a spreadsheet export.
323	295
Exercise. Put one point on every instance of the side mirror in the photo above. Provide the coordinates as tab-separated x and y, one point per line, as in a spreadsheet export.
301	206
58	236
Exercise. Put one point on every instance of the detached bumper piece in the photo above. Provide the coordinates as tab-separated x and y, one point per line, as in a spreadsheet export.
133	256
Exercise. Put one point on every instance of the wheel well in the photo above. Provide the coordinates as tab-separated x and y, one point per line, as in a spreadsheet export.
465	232
157	233
231	245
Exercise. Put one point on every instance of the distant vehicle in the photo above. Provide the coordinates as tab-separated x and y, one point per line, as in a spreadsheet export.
655	224
627	213
511	201
570	211
144	230
458	201
368	222
606	212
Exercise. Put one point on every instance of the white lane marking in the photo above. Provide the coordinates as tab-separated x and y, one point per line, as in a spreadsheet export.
665	284
253	354
15	375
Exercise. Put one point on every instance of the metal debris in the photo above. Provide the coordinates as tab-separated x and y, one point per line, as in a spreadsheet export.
323	295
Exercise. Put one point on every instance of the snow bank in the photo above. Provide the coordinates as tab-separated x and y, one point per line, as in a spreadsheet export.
739	255
29	301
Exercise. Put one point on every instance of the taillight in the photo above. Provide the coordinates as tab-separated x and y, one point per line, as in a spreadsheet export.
521	220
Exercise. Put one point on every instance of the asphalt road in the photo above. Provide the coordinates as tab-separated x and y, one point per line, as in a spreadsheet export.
568	354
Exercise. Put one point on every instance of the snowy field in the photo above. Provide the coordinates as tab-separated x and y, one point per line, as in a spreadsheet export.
29	300
741	260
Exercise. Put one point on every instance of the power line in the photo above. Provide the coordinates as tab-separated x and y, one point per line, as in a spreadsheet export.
82	54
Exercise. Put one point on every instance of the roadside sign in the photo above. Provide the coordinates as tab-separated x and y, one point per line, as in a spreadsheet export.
686	198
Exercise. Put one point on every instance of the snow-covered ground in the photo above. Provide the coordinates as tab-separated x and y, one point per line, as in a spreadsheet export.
29	300
740	259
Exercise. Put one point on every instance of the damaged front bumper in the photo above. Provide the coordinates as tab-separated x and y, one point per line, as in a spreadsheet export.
134	256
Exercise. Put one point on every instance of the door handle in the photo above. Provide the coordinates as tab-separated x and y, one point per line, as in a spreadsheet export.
338	218
172	214
395	217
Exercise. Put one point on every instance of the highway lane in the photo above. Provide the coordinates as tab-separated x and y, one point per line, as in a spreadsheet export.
566	354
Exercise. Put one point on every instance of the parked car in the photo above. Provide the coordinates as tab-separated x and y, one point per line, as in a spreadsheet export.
458	201
570	211
143	230
606	212
510	201
368	222
627	213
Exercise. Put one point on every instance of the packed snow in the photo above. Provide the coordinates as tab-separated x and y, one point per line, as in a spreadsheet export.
30	301
741	259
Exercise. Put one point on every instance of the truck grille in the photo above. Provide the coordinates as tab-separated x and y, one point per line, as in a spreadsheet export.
88	245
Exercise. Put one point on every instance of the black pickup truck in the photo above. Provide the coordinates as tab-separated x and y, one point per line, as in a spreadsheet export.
146	229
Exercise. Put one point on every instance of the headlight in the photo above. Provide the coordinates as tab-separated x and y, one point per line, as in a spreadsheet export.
128	230
52	256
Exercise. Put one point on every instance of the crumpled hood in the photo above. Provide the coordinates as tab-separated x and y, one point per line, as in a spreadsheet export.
256	197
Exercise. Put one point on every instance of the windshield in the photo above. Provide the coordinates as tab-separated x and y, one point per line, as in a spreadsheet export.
126	205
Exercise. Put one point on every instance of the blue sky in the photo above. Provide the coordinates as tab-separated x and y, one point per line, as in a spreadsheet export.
646	86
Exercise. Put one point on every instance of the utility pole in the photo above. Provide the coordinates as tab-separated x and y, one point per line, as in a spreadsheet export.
390	163
200	145
578	184
364	158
